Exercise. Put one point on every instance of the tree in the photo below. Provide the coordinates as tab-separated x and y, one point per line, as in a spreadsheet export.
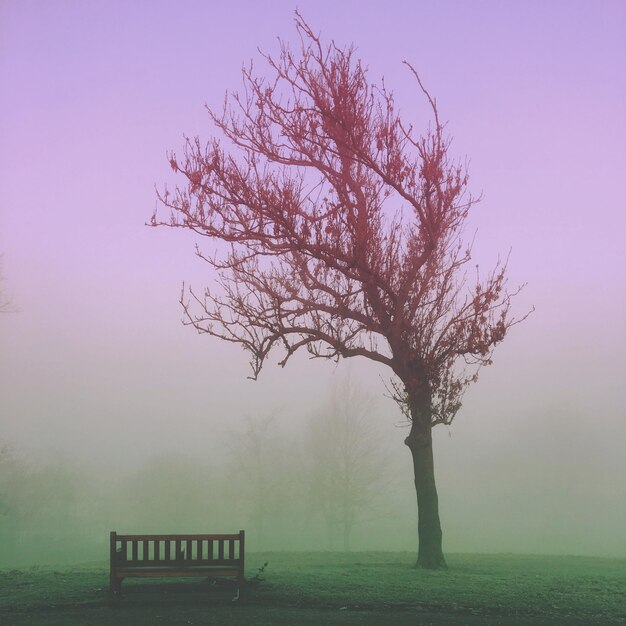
40	508
8	469
346	465
163	495
6	305
260	476
344	233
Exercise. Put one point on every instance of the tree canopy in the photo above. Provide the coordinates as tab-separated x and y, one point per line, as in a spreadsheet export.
344	224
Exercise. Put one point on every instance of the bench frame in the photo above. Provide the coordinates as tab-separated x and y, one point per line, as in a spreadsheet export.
176	555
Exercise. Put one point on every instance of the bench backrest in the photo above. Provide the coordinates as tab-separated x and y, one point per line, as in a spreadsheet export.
177	550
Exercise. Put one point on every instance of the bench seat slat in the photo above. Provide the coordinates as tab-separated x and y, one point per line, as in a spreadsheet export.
180	563
137	572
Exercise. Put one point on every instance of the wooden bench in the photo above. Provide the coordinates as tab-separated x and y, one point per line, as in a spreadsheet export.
176	555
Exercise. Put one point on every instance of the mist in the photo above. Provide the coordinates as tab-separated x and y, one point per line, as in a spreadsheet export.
114	416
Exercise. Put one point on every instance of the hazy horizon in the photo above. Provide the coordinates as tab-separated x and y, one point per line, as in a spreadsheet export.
95	365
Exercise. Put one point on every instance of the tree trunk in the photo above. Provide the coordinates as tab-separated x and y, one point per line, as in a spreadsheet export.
346	536
330	532
419	441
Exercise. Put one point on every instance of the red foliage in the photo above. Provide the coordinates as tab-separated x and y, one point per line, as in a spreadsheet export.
345	229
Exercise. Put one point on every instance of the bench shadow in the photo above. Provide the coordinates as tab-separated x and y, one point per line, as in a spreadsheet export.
206	591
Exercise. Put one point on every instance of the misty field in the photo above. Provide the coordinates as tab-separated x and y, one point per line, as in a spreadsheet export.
332	588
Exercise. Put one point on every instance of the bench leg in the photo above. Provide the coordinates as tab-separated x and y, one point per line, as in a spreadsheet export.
115	586
240	585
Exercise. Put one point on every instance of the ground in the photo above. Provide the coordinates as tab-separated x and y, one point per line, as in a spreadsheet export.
332	588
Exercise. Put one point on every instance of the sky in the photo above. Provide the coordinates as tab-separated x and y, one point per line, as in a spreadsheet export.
95	363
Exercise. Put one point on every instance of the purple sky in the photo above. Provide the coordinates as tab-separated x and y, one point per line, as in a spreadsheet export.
92	94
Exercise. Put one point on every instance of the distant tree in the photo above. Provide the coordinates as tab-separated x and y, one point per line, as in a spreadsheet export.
345	463
169	493
11	486
9	467
344	232
260	475
39	507
6	304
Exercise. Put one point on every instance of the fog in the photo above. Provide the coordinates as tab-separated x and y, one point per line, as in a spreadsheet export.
113	416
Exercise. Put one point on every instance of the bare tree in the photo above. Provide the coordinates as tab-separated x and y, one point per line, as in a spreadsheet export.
6	304
8	468
260	475
346	465
163	495
344	232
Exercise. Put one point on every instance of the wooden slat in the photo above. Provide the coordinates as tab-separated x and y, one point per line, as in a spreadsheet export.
178	553
146	549
231	549
156	550
189	553
135	545
167	551
217	570
242	541
220	544
175	537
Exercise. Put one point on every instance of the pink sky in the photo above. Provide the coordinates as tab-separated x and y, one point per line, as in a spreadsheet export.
92	94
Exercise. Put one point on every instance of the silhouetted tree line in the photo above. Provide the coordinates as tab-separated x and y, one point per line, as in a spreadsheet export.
312	492
45	510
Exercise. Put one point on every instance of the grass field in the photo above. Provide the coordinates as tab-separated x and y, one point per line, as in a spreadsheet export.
332	588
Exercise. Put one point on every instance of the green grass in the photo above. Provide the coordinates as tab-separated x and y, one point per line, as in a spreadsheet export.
486	584
317	587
